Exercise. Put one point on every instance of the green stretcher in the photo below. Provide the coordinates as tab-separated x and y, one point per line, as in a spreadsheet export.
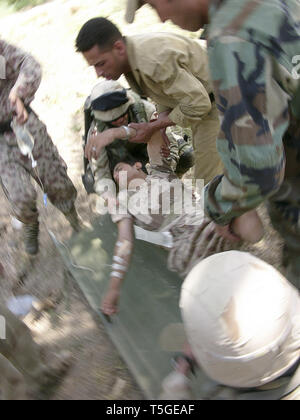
146	330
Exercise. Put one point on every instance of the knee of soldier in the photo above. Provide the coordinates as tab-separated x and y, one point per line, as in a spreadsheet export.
61	192
186	162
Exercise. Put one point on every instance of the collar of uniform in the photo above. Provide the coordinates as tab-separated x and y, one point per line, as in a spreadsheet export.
131	53
138	60
136	65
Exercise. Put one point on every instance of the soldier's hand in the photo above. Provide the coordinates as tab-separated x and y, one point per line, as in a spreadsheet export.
18	107
165	152
144	132
225	232
109	305
165	137
96	143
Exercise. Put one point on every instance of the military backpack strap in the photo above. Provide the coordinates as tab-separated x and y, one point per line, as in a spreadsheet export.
87	177
137	111
295	104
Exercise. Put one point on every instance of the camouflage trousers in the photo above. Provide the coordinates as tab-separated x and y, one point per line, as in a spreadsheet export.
20	358
190	245
284	211
51	174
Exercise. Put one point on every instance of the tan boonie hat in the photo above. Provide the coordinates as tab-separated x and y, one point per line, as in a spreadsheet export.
132	7
110	100
242	319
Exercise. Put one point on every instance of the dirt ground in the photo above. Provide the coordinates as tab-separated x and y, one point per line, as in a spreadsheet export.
48	32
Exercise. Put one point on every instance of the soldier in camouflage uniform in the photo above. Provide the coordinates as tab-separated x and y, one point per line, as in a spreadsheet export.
157	202
109	106
253	45
20	76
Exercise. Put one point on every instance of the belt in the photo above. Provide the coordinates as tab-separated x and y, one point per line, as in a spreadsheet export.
5	127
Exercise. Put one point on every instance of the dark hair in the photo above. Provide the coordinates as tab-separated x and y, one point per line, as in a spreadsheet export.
97	31
129	160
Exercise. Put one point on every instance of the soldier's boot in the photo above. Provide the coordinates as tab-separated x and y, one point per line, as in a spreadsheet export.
31	238
75	221
186	157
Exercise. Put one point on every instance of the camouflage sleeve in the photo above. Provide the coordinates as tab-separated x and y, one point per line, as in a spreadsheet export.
24	68
254	118
150	109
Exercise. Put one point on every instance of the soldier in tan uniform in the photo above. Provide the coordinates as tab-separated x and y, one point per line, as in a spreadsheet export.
170	69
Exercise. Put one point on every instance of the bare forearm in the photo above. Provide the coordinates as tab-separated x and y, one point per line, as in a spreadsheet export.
123	133
122	253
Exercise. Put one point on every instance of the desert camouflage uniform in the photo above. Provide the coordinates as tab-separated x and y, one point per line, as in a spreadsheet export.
24	73
252	44
141	111
164	204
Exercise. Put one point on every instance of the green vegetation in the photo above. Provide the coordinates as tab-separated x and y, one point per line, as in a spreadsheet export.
9	6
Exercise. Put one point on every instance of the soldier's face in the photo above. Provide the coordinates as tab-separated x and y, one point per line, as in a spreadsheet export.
120	121
107	63
188	14
132	172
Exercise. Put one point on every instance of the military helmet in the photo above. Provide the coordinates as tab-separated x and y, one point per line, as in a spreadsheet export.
110	100
242	319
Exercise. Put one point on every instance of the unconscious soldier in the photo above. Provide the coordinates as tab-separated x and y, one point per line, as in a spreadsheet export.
155	202
111	105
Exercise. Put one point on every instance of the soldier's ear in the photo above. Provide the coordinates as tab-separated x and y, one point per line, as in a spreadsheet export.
120	47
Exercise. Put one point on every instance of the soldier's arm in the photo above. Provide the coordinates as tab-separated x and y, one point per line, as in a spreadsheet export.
191	97
98	141
193	102
25	69
250	140
121	261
